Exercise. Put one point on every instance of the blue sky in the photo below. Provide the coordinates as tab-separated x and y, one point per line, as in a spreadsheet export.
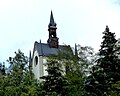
22	22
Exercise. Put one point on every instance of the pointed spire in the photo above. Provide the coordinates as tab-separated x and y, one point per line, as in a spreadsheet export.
30	54
52	23
51	18
30	59
40	40
76	53
107	29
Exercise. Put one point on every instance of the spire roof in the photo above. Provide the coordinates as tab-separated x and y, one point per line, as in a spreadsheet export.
76	53
52	22
30	55
30	59
107	28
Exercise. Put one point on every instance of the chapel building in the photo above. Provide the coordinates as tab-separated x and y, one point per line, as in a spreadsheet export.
42	50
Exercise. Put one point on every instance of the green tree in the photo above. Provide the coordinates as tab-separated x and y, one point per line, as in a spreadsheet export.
75	79
19	81
115	90
54	82
79	67
106	71
2	68
86	59
67	71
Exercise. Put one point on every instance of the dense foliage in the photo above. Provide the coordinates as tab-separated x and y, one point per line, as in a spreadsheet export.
54	82
70	80
82	73
107	69
19	81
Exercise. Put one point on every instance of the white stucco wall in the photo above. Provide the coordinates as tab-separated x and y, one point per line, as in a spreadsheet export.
35	68
39	70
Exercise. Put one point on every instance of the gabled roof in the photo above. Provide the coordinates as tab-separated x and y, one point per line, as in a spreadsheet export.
43	49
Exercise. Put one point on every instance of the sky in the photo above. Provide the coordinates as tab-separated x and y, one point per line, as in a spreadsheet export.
22	22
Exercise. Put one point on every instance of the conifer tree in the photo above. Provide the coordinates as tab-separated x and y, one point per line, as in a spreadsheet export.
107	69
54	82
66	72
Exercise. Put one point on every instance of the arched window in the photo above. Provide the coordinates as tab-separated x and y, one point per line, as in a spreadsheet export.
36	60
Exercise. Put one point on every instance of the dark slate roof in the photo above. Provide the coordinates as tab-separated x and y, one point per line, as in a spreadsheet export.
44	49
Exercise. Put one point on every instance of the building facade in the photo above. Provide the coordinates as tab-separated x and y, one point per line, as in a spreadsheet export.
42	50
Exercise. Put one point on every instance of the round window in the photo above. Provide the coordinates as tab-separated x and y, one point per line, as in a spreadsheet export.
36	60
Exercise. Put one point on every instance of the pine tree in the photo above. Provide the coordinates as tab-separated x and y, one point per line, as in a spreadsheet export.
54	82
107	69
66	73
109	60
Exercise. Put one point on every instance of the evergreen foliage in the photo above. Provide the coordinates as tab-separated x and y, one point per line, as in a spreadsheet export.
65	76
107	69
20	80
54	82
66	73
115	91
2	68
69	74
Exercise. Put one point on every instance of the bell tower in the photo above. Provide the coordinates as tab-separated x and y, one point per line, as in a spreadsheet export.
53	39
